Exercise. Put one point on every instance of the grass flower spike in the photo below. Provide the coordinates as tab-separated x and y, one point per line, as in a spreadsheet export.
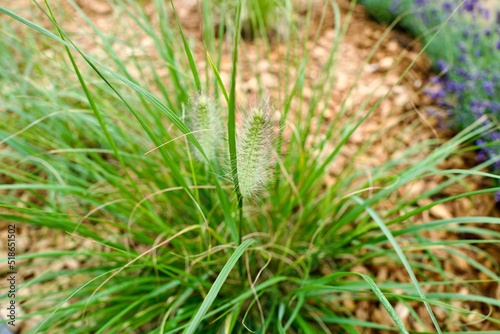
204	121
255	155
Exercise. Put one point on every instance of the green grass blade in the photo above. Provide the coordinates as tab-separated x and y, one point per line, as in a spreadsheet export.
383	299
214	290
231	121
218	77
401	256
189	54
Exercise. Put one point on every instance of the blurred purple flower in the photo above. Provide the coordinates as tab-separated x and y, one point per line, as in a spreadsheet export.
436	94
485	12
497	197
470	5
463	73
495	107
436	79
481	156
425	18
395	6
477	108
448	7
441	65
496	165
451	85
460	87
495	135
489	88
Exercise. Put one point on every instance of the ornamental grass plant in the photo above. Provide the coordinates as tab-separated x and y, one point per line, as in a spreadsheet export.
124	151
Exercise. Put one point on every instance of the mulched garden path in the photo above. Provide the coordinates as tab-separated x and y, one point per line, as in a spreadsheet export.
389	62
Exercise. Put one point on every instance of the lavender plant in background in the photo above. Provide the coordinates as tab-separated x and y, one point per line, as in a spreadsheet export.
470	82
463	43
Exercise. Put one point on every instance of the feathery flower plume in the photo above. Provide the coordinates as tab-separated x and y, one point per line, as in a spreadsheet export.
205	122
255	156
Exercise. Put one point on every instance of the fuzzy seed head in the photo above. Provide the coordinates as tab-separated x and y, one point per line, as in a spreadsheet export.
255	151
204	120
